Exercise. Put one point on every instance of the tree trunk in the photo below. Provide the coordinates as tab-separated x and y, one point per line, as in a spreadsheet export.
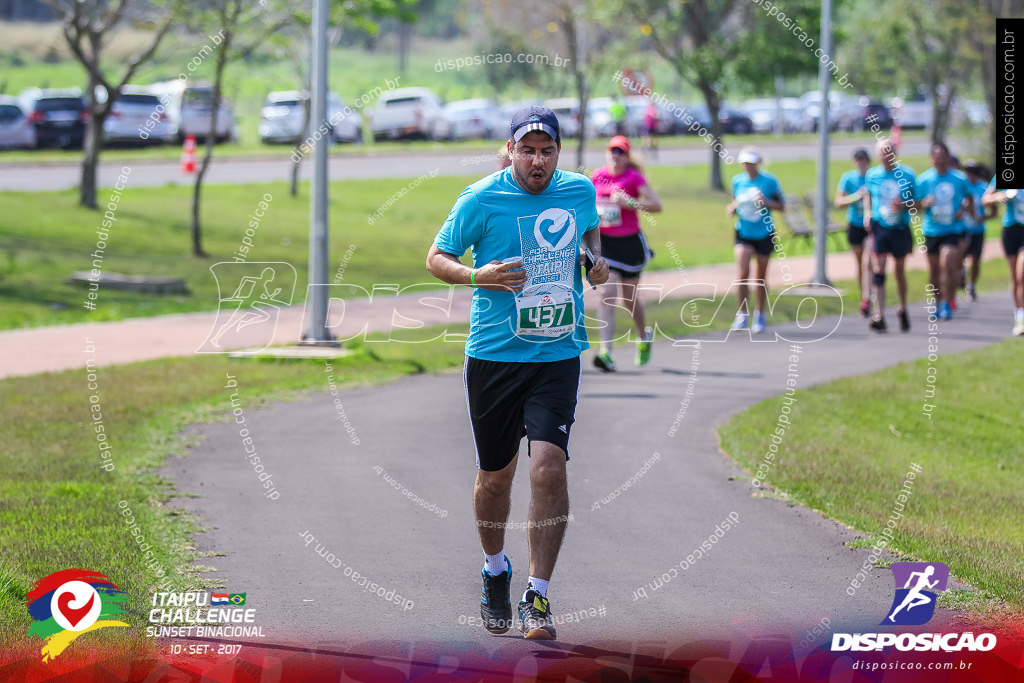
91	143
404	38
92	140
712	101
211	135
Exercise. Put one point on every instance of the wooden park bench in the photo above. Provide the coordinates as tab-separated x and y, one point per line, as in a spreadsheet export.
131	283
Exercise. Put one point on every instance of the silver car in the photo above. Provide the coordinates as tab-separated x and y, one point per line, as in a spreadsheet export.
468	119
138	117
283	114
16	130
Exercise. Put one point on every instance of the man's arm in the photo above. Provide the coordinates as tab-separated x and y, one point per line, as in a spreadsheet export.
867	210
494	275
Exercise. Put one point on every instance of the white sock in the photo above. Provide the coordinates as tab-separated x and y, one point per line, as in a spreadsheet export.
1020	315
539	585
495	564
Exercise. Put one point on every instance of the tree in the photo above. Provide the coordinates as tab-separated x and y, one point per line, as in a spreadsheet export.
244	27
88	27
699	39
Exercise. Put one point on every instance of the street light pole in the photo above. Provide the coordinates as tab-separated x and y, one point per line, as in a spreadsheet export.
824	76
317	290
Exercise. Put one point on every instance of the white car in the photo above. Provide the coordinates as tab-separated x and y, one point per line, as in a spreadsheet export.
763	112
468	119
16	130
136	117
844	110
189	106
567	111
283	114
405	113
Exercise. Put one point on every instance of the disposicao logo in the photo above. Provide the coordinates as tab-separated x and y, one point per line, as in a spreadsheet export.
68	603
917	584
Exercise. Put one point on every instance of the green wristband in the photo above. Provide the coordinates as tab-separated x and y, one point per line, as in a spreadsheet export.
472	277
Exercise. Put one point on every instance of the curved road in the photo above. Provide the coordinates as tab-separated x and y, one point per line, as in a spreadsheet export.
379	479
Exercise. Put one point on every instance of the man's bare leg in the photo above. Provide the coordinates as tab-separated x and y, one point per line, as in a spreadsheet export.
549	507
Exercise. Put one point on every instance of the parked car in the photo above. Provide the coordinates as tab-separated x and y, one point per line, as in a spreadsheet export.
567	111
873	114
59	116
976	114
189	107
636	110
467	119
764	112
16	130
405	113
912	113
599	118
137	117
283	114
734	122
844	110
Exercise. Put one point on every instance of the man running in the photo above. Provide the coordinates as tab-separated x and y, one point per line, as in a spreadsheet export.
1013	244
945	195
977	176
915	597
756	195
525	225
889	198
850	194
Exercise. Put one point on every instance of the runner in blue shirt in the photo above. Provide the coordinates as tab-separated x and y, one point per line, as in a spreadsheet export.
945	195
525	225
1013	243
756	195
977	175
889	198
850	194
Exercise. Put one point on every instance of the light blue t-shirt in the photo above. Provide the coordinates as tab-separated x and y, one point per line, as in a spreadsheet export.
1014	212
754	222
850	183
885	186
976	224
949	190
498	220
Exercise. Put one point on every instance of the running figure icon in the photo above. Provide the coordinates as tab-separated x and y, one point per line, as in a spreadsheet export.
915	597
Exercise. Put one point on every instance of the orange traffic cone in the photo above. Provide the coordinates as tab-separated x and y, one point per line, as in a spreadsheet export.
188	155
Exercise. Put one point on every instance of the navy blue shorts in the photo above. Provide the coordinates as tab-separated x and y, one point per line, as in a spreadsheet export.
895	241
935	243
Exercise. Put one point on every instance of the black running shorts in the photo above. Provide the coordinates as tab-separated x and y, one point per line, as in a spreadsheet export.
508	401
627	255
1013	239
761	247
856	234
934	243
895	241
975	242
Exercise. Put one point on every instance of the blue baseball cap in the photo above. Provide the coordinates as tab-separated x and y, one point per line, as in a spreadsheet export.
535	118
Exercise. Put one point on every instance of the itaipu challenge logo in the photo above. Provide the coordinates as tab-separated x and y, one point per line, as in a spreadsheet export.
69	603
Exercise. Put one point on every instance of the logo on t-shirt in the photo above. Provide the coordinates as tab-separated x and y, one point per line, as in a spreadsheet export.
554	229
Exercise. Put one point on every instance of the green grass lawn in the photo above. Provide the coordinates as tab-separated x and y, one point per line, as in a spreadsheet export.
965	503
46	237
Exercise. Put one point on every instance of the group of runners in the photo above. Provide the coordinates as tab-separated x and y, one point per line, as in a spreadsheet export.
954	201
532	228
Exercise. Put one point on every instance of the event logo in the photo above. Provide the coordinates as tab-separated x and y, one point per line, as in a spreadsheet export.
68	603
914	603
554	229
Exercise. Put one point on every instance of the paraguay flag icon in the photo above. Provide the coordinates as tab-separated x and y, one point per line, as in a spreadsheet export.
68	603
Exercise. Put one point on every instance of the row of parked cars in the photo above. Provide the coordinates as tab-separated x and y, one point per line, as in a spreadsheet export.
157	113
171	110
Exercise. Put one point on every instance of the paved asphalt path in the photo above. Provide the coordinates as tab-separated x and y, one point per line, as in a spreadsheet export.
32	177
779	571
